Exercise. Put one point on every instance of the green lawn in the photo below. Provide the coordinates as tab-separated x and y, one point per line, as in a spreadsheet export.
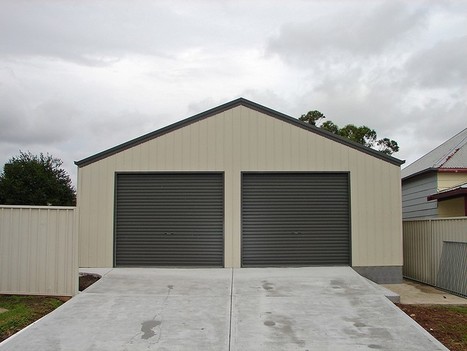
22	311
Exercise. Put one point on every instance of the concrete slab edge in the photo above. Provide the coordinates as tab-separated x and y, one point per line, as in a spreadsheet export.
435	341
4	342
100	271
388	301
391	295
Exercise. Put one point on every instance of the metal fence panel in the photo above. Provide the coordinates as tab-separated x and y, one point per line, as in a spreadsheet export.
453	267
38	250
417	254
423	246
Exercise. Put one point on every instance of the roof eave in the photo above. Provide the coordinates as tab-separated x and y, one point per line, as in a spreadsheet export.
427	170
227	106
448	194
149	136
325	133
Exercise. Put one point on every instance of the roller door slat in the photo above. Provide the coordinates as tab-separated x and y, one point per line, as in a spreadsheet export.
169	219
295	219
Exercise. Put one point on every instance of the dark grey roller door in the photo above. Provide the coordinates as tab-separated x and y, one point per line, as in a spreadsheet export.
296	219
169	219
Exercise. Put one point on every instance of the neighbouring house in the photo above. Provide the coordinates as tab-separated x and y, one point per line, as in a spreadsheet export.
436	184
241	185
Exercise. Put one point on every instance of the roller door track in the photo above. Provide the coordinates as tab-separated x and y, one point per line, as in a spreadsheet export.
169	219
295	219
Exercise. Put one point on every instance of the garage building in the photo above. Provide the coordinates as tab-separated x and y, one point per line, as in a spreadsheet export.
241	185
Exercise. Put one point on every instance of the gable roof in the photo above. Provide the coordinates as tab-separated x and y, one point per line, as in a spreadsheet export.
450	155
227	106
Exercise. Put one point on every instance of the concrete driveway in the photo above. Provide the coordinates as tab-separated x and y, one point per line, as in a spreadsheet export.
227	309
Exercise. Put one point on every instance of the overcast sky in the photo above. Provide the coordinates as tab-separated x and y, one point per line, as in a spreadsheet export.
78	77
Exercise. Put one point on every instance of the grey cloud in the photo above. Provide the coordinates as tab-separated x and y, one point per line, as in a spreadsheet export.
444	64
47	128
47	123
56	120
356	97
99	33
96	33
356	31
271	99
428	126
199	106
437	118
101	131
12	121
390	106
355	61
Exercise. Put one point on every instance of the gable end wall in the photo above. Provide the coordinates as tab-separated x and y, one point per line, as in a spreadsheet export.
242	139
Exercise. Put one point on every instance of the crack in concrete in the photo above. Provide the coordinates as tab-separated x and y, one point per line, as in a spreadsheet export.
147	327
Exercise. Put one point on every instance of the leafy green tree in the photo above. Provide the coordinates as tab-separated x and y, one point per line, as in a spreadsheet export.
312	117
330	127
362	135
387	146
28	179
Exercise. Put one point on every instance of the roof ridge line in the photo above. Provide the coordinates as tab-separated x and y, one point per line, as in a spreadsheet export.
433	166
450	154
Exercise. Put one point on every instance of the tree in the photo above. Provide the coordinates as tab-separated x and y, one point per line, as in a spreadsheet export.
28	179
330	127
312	117
387	146
362	135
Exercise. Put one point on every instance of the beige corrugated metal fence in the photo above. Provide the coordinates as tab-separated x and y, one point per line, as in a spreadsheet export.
38	250
423	242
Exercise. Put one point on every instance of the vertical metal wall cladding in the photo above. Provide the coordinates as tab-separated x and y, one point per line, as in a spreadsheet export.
295	219
169	219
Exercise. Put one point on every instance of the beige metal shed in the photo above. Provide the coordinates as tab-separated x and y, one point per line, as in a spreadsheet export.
241	185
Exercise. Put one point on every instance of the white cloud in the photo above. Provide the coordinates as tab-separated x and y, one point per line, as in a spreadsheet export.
442	65
79	77
355	32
